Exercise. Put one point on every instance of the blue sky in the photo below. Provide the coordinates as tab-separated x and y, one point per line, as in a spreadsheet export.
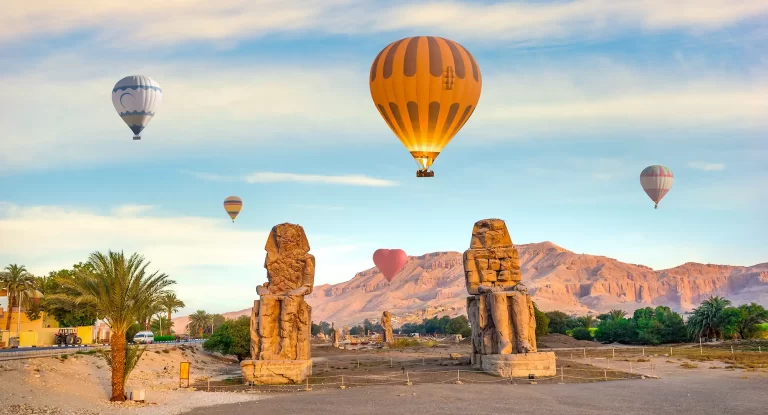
578	97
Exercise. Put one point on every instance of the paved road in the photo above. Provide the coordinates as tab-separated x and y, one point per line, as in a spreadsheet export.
76	348
728	394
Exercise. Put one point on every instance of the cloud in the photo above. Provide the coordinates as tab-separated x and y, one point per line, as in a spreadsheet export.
700	165
350	180
272	177
196	252
145	23
131	210
275	105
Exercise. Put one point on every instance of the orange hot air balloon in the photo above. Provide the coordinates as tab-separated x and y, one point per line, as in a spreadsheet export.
425	88
233	205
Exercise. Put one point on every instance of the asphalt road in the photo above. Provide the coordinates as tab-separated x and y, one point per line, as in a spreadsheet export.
728	394
75	348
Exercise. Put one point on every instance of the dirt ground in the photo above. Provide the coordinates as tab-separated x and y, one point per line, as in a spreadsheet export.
441	381
80	384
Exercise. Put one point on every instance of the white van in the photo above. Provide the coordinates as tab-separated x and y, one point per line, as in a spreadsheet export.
145	337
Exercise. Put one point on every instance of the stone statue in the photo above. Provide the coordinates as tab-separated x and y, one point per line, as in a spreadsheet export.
499	308
386	323
347	335
281	319
334	335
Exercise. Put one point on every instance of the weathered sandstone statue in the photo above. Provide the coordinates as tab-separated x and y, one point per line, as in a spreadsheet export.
347	335
281	319
386	323
335	335
499	308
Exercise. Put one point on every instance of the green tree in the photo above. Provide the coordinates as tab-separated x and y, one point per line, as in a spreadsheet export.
198	322
619	330
17	281
559	322
356	330
542	322
233	337
459	325
582	333
708	320
586	321
120	288
751	316
170	304
56	302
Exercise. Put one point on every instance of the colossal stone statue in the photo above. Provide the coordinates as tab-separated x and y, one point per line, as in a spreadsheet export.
386	323
281	319
499	308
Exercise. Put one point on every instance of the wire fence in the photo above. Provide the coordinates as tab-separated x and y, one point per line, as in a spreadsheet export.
565	373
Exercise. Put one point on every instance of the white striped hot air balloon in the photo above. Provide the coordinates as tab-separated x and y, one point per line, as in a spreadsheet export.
136	98
656	181
233	205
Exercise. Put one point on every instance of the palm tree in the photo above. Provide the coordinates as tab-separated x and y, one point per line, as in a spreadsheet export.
171	304
707	319
16	280
617	315
152	306
160	324
122	290
199	321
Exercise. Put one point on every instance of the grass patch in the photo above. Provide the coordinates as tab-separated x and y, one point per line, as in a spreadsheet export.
86	352
403	343
686	365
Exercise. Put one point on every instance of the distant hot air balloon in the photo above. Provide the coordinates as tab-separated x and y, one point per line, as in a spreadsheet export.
233	205
389	261
656	181
425	88
136	98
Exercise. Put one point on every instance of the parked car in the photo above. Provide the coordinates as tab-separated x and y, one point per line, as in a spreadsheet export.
144	337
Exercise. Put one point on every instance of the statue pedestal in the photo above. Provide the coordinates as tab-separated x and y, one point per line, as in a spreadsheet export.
520	365
276	372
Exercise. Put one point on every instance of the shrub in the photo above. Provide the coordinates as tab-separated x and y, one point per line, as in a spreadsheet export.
232	338
164	338
581	333
401	343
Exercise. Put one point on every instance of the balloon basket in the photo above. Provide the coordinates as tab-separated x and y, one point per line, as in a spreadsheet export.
425	173
137	138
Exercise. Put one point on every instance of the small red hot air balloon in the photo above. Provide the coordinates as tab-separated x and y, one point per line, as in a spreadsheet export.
389	261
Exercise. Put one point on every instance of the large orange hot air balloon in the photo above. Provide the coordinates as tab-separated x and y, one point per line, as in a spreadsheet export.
425	88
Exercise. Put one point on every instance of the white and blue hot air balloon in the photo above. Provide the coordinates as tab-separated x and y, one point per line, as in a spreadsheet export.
135	99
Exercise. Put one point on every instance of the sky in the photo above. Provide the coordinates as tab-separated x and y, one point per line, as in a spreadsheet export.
269	100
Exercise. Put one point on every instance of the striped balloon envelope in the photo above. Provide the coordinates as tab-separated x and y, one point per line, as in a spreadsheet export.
656	181
425	88
136	98
233	205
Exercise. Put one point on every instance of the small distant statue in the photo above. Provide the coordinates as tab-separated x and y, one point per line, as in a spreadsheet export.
386	324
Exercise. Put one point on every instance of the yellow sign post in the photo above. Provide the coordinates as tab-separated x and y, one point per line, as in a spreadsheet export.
184	374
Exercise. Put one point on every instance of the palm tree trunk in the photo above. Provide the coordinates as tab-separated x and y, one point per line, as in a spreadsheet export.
10	310
118	365
169	322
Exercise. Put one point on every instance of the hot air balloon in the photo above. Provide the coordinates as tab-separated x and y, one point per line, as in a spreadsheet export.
233	205
425	88
136	98
389	261
656	181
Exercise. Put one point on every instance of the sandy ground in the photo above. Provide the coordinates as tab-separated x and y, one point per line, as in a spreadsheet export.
80	384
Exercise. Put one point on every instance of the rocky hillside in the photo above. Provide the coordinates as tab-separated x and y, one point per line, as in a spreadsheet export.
558	279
